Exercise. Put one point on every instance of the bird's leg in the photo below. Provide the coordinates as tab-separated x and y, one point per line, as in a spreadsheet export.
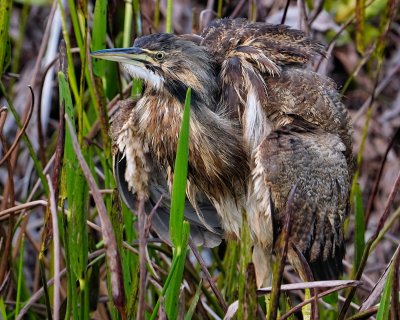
263	265
262	259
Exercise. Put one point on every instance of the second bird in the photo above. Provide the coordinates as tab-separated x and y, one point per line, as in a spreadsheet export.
262	127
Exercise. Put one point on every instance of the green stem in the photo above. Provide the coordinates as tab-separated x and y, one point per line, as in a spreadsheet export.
168	24
20	275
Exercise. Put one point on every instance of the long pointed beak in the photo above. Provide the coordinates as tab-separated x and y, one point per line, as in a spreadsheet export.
133	55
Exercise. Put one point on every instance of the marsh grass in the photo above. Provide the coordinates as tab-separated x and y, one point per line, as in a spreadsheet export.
148	279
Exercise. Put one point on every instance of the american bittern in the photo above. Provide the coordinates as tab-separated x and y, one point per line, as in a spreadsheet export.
261	125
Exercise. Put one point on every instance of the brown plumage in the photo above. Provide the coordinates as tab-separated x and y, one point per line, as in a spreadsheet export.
261	125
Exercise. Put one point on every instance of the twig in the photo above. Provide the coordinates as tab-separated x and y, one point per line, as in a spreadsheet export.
335	284
312	285
38	294
147	227
272	311
320	295
30	197
206	15
285	12
22	131
384	231
364	314
374	191
7	278
382	85
208	275
336	36
377	291
9	199
237	9
24	206
395	307
59	153
352	304
142	259
303	19
368	245
317	10
38	62
308	276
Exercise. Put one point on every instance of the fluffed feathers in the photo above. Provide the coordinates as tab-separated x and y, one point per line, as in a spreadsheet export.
255	108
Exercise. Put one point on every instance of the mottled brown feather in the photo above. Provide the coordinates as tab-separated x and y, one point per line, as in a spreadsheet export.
302	155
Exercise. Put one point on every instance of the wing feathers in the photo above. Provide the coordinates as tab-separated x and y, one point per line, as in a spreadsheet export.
303	155
281	44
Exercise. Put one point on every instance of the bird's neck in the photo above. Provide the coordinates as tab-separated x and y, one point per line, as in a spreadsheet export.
159	115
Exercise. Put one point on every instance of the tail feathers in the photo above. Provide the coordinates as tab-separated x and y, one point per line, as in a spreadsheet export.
330	268
322	268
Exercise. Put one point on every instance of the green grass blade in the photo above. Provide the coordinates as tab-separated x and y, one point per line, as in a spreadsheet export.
156	19
179	229
174	266
138	18
37	164
129	261
244	260
172	293
99	35
18	43
75	22
384	305
20	276
65	31
3	311
360	25
333	300
168	24
67	184
229	272
5	12
77	194
127	34
359	236
132	13
127	40
77	225
180	177
42	269
194	302
219	10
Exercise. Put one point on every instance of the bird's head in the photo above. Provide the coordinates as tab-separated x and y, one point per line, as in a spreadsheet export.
167	62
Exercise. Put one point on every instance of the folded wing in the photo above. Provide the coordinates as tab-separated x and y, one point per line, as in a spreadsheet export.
302	157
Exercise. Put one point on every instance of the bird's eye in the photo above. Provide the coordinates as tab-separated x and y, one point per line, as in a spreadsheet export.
160	56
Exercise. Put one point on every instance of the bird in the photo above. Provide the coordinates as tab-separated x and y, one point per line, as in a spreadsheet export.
266	132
